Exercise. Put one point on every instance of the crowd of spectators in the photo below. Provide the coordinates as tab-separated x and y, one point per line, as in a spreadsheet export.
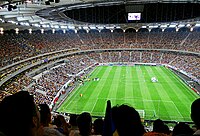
124	56
16	46
4	72
188	63
20	115
51	81
20	83
3	94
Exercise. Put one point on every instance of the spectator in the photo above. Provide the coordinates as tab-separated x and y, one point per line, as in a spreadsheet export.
19	116
61	124
166	130
127	121
45	116
160	127
98	126
73	125
182	129
84	122
195	115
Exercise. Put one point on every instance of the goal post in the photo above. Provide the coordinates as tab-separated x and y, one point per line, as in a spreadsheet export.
141	113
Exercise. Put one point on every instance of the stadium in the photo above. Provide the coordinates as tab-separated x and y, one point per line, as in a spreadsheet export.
76	55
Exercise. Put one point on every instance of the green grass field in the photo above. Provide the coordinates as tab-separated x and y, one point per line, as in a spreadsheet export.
169	99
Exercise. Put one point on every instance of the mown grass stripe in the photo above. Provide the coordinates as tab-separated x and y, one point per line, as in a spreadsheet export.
104	85
158	92
179	89
120	77
145	92
175	92
165	96
189	92
129	86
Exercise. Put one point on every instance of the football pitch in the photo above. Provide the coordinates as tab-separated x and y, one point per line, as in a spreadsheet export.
168	99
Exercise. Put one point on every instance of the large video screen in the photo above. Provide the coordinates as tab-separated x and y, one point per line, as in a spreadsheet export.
134	16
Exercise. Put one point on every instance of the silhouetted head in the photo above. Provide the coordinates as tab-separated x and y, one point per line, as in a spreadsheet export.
72	120
127	121
58	120
84	122
98	126
158	126
19	115
45	115
182	129
195	112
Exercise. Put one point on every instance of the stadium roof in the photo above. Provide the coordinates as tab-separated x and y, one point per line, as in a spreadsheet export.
23	15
